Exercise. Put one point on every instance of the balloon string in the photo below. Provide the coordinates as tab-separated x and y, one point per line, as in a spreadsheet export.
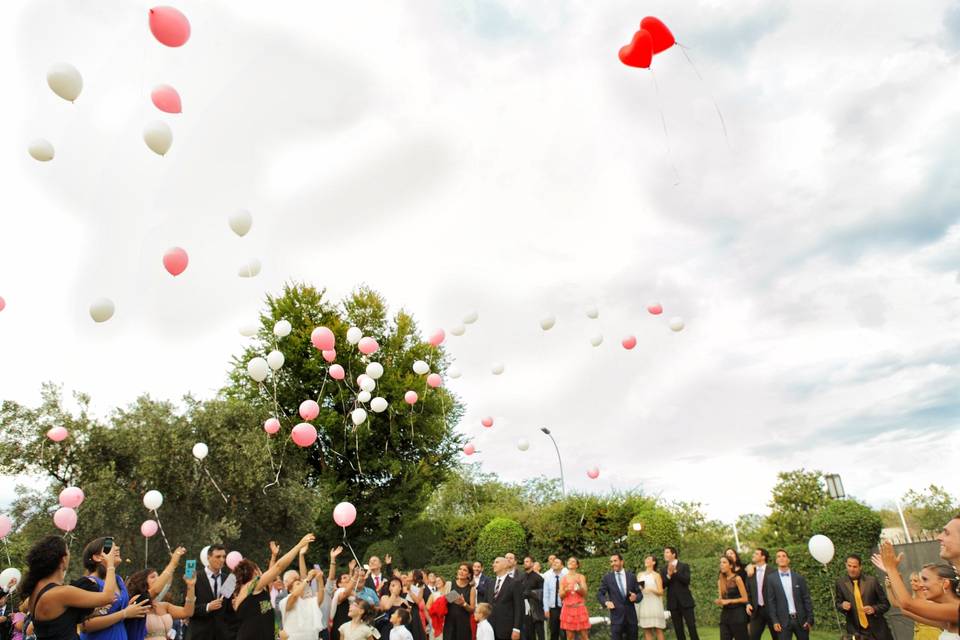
356	433
666	134
723	123
7	550
216	486
352	552
146	551
160	524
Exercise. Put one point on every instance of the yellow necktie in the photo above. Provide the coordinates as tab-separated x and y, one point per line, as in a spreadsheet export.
858	599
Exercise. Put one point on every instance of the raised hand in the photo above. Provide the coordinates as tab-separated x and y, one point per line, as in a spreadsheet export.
274	548
178	553
136	609
335	552
891	561
387	559
307	539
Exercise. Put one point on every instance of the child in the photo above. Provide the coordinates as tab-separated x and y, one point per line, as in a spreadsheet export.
400	619
358	628
481	613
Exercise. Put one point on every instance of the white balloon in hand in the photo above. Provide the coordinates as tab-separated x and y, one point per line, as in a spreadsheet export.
821	548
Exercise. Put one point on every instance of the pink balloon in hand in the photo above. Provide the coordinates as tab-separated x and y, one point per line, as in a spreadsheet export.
71	497
58	434
166	99
149	528
593	473
65	518
437	337
434	380
337	372
169	26
309	410
304	434
411	397
629	342
487	422
323	339
271	426
175	261
469	449
344	514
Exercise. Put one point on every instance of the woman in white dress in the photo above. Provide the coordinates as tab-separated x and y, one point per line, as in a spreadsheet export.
650	609
302	619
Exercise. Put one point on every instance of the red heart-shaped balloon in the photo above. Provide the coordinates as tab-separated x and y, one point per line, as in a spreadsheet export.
662	38
639	53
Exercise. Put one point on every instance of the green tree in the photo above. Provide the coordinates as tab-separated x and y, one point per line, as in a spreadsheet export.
657	529
750	529
796	498
700	536
499	537
930	508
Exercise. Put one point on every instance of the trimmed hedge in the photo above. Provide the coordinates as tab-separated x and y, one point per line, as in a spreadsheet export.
501	536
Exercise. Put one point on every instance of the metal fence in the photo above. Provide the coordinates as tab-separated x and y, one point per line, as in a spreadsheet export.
915	555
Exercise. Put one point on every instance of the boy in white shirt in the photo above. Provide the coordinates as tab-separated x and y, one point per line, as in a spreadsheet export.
481	613
400	619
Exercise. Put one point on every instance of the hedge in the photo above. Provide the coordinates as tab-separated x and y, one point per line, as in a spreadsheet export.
501	536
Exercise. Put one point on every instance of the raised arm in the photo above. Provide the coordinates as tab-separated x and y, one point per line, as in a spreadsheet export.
283	562
274	552
302	566
189	606
167	575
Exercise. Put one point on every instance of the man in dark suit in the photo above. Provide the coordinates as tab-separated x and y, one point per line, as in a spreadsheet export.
618	592
533	597
788	599
507	601
483	583
6	625
863	601
210	617
756	589
680	603
377	580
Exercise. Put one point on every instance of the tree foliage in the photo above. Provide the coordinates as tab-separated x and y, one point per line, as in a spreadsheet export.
499	537
930	508
796	497
702	536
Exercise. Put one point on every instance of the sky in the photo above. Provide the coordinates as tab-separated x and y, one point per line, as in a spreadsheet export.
494	155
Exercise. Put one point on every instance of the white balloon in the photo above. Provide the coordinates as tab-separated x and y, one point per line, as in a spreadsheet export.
523	444
354	334
592	312
596	340
282	329
102	309
366	382
203	556
153	499
547	322
821	548
41	150
363	397
200	451
158	137
11	573
358	416
454	372
257	369
421	368
275	359
497	368
457	330
375	370
471	317
379	404
676	324
65	81
240	222
250	270
249	330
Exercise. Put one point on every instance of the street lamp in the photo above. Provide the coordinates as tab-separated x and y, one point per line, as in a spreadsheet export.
563	486
834	486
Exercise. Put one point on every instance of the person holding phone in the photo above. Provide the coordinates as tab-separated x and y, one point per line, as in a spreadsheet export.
160	615
107	623
148	585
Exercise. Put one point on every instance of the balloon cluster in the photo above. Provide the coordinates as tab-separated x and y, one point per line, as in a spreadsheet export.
653	37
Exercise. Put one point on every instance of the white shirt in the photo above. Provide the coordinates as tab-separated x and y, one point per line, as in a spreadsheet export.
758	574
214	589
304	621
400	632
484	631
787	583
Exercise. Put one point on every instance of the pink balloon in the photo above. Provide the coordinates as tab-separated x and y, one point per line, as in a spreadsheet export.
367	346
469	449
169	26
437	337
71	497
175	261
3	303
5	526
309	410
304	434
271	426
487	422
233	559
655	308
65	518
57	434
434	380
149	528
344	514
337	372
166	99
323	339
411	397
593	473
329	355
629	342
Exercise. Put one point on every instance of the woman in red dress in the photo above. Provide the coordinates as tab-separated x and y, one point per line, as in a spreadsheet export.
574	618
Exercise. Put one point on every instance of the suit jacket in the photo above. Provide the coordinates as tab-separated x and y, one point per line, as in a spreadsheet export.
872	595
533	594
507	608
385	574
624	611
485	588
6	610
752	592
776	600
678	588
210	625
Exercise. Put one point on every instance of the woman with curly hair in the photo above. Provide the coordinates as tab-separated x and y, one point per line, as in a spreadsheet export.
56	608
160	615
148	584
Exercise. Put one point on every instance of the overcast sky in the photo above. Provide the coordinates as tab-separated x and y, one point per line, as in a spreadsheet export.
495	155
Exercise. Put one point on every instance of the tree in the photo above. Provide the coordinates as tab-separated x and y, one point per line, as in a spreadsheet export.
796	498
393	460
930	508
750	529
700	537
499	537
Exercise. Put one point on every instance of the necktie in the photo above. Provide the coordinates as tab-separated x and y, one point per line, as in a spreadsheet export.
216	585
760	586
556	594
858	600
376	582
622	584
496	591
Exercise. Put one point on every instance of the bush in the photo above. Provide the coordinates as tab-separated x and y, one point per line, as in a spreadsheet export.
498	537
853	527
382	549
658	530
417	542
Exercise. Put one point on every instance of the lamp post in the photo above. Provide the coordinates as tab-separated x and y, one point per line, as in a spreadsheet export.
563	485
834	486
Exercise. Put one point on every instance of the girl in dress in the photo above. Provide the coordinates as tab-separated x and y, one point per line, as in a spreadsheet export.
160	615
938	588
650	609
340	603
359	628
732	596
574	618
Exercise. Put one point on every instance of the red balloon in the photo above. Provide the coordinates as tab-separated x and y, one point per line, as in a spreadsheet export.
639	53
169	26
662	38
175	261
166	99
629	342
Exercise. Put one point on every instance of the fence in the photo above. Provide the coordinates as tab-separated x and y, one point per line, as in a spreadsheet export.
915	555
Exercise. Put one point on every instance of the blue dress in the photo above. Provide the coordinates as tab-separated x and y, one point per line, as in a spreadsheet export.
116	631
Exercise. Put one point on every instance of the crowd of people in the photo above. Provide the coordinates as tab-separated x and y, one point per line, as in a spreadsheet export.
517	602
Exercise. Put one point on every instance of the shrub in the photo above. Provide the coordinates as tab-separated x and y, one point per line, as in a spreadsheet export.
498	537
658	530
417	542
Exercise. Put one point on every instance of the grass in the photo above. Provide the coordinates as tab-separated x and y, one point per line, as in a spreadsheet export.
602	632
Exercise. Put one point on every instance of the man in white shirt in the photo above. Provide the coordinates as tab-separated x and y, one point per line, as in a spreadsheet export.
757	585
208	621
788	598
483	583
512	566
551	596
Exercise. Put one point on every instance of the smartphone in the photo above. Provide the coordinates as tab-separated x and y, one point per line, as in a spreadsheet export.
642	583
189	569
107	545
144	598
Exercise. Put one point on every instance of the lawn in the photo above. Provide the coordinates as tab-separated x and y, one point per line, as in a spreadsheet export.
602	632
